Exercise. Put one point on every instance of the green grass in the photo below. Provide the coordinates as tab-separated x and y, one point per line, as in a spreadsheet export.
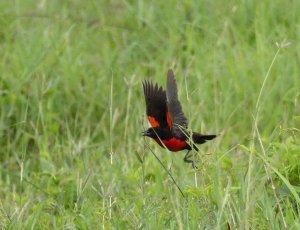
72	109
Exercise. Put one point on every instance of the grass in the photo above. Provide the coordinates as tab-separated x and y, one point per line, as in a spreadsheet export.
72	110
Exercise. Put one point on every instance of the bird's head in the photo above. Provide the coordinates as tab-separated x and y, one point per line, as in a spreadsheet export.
149	133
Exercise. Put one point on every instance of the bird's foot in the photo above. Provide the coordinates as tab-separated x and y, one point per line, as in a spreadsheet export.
188	160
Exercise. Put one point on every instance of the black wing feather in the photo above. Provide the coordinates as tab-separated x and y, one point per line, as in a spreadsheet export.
179	120
156	103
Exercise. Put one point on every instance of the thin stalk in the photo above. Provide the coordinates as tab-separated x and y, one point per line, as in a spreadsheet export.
165	169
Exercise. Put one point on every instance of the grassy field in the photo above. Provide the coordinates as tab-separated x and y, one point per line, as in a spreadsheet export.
72	110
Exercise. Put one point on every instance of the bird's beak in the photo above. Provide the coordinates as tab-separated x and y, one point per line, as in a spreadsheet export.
144	133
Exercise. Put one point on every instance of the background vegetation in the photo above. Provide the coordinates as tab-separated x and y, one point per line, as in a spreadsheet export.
72	109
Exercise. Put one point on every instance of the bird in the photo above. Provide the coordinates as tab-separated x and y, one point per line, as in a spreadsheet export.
169	125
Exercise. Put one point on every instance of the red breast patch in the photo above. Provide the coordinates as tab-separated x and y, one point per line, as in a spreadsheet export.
172	144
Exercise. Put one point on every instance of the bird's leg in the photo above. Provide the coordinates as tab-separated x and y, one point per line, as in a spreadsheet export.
194	165
188	160
186	157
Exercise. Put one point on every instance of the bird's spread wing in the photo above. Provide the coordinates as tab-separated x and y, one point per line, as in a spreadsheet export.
178	120
156	103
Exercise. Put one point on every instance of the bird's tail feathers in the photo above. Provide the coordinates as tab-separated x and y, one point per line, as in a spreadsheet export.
200	138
